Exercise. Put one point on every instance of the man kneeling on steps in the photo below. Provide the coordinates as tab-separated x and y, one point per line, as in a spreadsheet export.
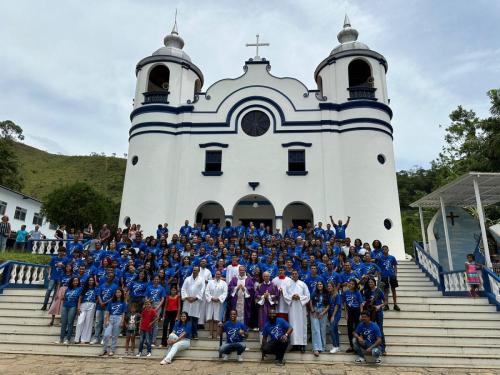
236	333
367	339
275	337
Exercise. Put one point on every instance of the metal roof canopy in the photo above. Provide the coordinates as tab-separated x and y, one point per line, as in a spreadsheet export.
461	191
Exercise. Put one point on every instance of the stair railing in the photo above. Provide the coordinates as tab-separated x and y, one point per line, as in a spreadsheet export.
454	283
50	246
14	274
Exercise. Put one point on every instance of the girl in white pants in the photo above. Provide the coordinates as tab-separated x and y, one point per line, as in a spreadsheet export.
179	339
86	310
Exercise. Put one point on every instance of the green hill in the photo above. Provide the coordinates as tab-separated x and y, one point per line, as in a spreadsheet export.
42	172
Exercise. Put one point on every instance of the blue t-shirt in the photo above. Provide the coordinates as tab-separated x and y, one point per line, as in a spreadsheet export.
56	272
311	282
369	332
275	331
138	288
233	331
21	235
335	301
116	308
180	328
340	231
71	297
106	292
353	299
90	295
388	265
155	293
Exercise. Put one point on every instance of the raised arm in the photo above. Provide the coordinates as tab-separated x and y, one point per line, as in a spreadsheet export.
348	221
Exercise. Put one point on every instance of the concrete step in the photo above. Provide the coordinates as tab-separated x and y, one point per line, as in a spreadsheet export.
395	358
24	292
419	293
394	340
441	300
423	288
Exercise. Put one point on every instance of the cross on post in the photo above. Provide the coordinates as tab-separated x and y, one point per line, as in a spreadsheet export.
257	45
452	217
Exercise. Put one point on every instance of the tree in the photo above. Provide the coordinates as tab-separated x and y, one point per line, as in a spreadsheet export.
77	205
9	163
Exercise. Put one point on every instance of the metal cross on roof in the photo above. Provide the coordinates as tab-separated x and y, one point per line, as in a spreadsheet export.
257	45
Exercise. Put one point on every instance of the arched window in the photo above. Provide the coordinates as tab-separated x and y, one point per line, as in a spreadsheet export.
360	74
197	86
360	81
159	79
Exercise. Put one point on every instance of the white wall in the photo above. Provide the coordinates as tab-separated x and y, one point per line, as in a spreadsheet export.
32	206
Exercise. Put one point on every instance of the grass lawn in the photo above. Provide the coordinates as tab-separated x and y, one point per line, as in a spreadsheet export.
24	257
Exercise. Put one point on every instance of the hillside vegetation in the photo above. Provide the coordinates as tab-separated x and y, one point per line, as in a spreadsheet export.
41	172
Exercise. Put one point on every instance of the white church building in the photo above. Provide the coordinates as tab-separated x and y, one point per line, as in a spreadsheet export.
264	148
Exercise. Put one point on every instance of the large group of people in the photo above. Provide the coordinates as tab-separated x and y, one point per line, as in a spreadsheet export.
292	288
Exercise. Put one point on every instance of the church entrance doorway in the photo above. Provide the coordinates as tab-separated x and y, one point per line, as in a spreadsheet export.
297	213
256	209
210	211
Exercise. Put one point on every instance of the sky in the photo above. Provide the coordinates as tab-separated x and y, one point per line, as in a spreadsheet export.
67	68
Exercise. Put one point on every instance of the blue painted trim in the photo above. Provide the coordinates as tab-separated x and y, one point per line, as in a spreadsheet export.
214	144
291	144
296	173
278	131
331	106
212	173
278	217
253	185
161	108
256	62
228	216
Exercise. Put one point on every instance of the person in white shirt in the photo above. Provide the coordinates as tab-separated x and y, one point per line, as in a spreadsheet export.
192	293
215	295
297	296
206	274
281	281
232	270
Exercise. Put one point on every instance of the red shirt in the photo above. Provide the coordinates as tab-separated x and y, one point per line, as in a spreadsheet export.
147	317
172	303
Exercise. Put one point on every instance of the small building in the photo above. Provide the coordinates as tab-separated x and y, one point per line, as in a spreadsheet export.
23	209
264	148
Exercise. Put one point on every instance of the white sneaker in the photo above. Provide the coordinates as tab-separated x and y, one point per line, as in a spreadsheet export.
93	342
148	355
138	355
224	357
163	362
334	350
57	342
240	358
66	342
360	360
102	342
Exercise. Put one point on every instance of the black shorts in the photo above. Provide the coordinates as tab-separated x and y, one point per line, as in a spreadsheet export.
391	282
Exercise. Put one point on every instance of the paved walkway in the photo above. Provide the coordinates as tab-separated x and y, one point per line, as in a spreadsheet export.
18	364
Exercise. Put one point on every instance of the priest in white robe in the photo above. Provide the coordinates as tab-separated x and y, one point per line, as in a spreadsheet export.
296	295
192	293
215	296
281	281
206	274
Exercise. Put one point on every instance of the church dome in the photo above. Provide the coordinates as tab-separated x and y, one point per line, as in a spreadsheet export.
173	46
348	39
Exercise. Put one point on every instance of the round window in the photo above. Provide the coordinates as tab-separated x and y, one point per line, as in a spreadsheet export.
255	123
381	158
387	224
135	159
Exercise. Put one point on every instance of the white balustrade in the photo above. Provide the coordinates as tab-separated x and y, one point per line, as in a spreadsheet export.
13	274
26	274
27	279
428	265
457	282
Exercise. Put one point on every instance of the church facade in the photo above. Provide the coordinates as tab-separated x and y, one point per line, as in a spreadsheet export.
264	148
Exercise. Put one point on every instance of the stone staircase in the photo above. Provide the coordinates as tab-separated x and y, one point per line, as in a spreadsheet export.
431	330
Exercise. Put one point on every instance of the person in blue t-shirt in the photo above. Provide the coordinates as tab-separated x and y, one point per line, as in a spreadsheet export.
106	291
236	333
115	319
352	300
180	337
389	266
334	314
68	310
156	294
56	270
86	310
340	228
21	238
275	337
367	339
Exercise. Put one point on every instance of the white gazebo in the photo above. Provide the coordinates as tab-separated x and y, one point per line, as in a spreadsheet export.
474	189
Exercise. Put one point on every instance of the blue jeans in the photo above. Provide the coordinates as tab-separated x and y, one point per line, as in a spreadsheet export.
334	332
99	322
194	326
318	331
380	322
67	320
3	243
112	330
50	288
228	348
148	338
376	351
